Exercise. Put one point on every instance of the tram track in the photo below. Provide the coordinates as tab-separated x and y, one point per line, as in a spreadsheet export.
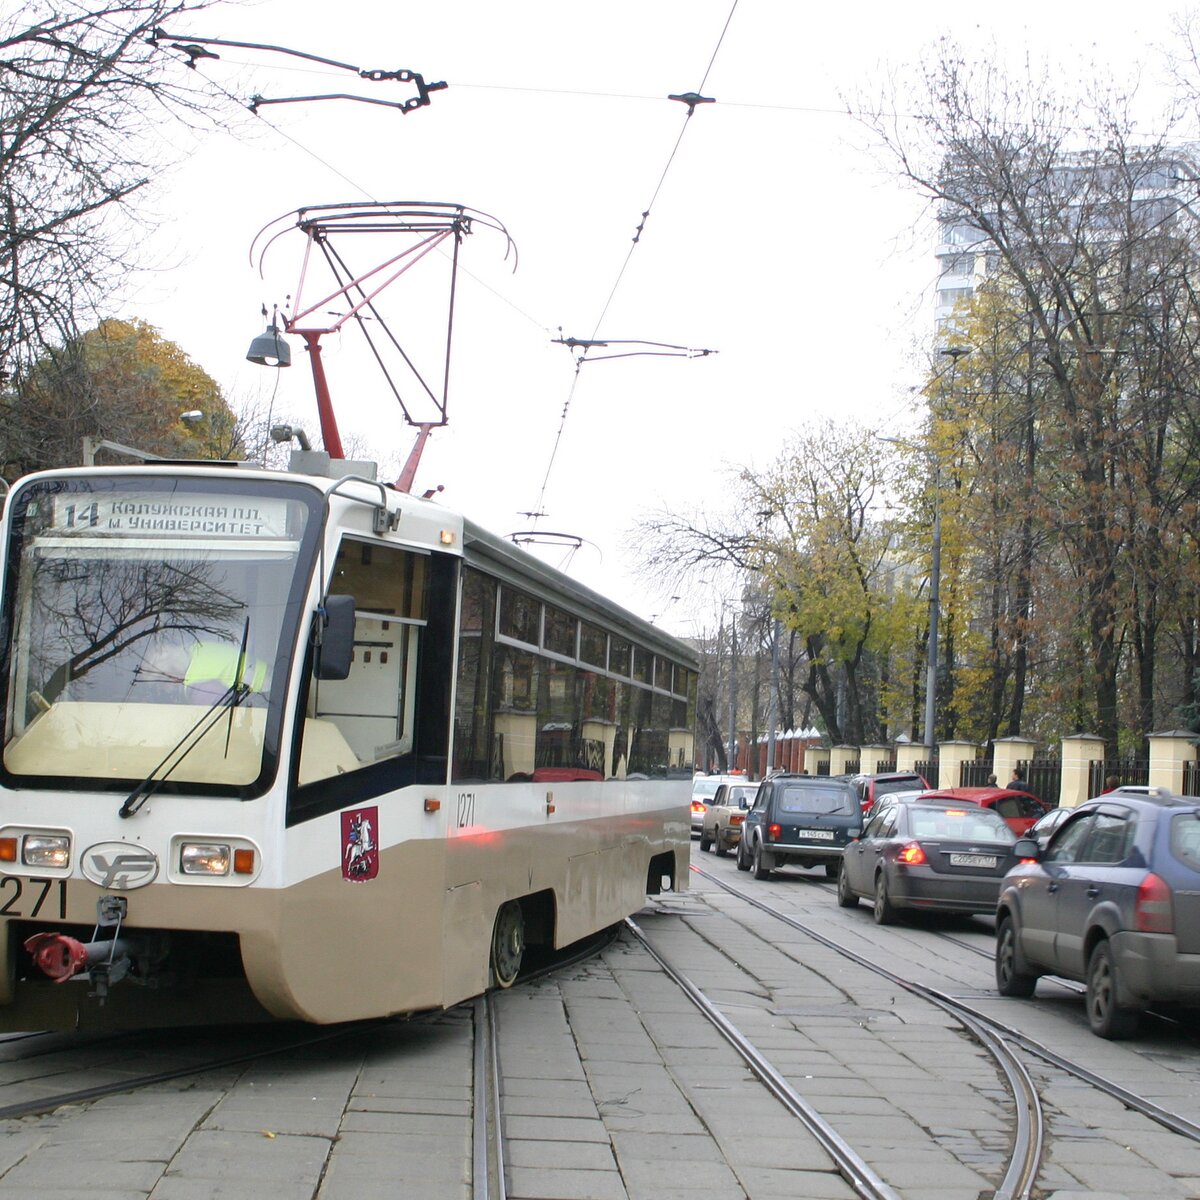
1029	1129
487	1126
995	1029
38	1105
853	1168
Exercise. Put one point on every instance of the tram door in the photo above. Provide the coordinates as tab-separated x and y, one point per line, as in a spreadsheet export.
372	706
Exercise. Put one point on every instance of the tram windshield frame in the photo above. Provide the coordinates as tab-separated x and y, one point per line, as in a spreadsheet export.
130	603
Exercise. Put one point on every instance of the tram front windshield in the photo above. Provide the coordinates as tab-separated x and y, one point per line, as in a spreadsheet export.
151	618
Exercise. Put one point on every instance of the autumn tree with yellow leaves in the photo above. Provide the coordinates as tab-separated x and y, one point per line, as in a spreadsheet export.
121	381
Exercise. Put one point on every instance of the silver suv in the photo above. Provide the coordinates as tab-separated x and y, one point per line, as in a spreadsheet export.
1113	900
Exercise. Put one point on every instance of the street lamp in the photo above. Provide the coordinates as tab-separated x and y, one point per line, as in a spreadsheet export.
954	353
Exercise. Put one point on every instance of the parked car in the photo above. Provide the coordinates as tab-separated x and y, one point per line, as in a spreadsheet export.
723	818
1113	901
871	787
704	788
1043	828
893	798
799	820
929	855
1019	809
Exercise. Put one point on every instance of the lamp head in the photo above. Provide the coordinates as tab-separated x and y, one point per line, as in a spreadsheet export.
285	433
269	349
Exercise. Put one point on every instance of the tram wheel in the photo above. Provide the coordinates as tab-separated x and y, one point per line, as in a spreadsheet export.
508	944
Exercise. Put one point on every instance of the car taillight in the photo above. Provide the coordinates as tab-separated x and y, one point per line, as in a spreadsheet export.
737	818
697	807
912	854
773	832
1152	912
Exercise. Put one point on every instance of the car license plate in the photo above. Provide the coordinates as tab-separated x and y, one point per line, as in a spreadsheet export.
972	860
817	835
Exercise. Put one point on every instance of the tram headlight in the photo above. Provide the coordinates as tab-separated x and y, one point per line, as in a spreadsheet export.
204	858
212	860
46	850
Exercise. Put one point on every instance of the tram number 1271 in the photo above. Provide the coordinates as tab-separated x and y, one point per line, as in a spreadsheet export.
466	809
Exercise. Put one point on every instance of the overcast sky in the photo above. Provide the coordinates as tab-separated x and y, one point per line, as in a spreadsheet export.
779	238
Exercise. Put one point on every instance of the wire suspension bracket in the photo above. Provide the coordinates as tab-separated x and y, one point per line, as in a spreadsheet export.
195	48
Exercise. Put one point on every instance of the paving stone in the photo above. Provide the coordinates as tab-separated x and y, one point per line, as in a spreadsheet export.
554	1129
215	1154
576	1156
565	1185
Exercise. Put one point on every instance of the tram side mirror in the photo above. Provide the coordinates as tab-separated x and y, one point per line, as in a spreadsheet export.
335	638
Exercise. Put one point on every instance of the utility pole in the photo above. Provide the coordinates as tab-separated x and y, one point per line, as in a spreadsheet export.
771	694
954	353
732	760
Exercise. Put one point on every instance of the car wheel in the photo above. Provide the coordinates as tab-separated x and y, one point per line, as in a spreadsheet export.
1106	1017
760	871
833	870
1010	981
720	847
846	898
705	842
885	914
743	859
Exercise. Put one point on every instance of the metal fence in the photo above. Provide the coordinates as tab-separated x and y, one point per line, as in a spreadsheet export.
1044	776
1191	779
1123	770
928	769
978	773
885	766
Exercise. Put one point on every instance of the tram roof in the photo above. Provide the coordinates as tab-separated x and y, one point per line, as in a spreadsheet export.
519	567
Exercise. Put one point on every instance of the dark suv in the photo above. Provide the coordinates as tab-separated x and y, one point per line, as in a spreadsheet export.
1113	900
806	820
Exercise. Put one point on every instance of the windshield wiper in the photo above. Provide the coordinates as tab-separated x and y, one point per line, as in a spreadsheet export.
233	695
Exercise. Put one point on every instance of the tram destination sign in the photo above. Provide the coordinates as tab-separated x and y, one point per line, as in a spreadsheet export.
180	514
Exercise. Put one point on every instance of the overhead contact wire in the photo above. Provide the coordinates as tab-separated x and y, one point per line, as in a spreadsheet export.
538	508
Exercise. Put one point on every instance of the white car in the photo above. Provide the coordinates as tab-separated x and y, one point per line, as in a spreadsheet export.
704	788
726	814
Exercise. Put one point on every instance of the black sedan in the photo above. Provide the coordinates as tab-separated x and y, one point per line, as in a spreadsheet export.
928	856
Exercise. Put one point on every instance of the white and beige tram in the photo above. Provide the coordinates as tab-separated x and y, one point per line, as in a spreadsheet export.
298	747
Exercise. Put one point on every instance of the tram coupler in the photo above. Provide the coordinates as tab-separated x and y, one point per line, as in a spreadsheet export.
102	961
62	957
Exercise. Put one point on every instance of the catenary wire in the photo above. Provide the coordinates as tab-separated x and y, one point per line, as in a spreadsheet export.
538	507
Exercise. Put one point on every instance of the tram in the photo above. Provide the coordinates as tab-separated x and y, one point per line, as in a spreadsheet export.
283	745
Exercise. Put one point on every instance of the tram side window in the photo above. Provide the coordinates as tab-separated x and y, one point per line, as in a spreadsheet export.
514	716
369	717
543	693
651	717
472	704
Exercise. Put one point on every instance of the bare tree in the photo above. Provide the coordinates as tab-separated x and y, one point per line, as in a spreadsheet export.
79	87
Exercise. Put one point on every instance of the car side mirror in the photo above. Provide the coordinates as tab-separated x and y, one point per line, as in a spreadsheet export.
1027	847
335	637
